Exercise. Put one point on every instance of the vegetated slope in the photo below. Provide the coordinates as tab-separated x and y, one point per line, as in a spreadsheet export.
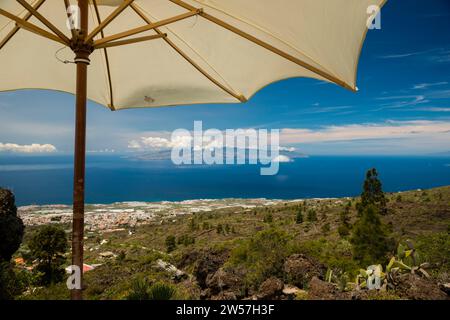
224	244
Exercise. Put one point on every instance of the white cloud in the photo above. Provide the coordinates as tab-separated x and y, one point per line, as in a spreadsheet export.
281	159
439	94
402	101
353	132
443	56
152	142
403	55
317	109
428	85
434	109
133	144
287	149
30	148
436	55
101	151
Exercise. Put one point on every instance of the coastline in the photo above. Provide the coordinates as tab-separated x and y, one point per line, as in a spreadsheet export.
131	214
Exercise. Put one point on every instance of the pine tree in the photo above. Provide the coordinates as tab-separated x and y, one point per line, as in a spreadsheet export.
326	228
372	193
193	226
345	226
171	243
299	217
268	218
369	238
312	216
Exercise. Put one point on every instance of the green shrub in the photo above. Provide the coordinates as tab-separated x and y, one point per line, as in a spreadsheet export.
326	228
262	255
343	231
48	245
206	225
121	256
345	226
152	257
312	215
186	240
435	249
268	218
193	225
10	286
142	290
57	291
161	291
139	290
337	255
299	217
171	243
11	226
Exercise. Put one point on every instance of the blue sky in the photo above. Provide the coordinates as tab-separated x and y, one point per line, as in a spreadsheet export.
402	106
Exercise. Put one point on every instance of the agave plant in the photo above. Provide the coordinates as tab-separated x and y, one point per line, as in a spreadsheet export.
329	276
161	291
339	278
139	290
142	290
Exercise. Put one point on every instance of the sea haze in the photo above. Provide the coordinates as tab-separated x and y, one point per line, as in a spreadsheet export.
48	180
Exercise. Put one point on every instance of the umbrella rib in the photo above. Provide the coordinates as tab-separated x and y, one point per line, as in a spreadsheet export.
42	19
11	34
148	27
108	20
265	45
130	41
31	27
108	68
240	97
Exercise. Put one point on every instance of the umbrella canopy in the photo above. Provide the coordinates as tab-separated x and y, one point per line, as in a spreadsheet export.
204	51
152	53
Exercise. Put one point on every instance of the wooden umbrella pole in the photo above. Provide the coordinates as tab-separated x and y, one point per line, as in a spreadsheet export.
82	52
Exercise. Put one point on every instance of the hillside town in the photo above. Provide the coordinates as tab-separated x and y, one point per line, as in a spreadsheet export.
120	215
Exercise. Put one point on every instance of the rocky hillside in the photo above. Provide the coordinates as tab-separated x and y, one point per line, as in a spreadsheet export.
265	252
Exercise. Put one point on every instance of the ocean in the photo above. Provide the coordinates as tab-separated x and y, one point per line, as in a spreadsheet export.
109	179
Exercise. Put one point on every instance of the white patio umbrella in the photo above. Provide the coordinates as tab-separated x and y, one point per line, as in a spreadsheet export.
153	53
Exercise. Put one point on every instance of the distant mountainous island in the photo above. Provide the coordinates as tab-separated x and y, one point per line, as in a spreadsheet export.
165	154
